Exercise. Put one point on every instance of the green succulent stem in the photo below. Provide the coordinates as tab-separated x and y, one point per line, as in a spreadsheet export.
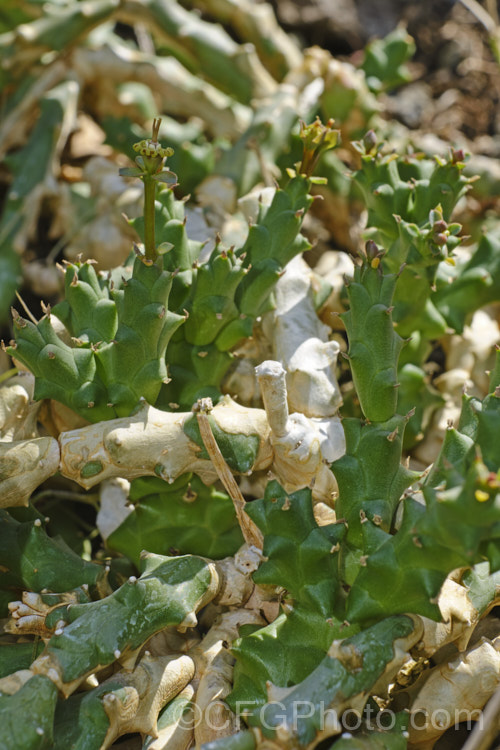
149	218
8	374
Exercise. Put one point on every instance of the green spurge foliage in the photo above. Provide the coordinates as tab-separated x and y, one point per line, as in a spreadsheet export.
186	516
96	634
14	656
223	295
227	292
452	529
58	568
36	701
380	567
119	336
353	668
410	200
303	560
374	346
384	61
464	288
368	498
120	327
459	525
387	572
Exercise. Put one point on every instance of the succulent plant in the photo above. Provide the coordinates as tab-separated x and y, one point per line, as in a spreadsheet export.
318	581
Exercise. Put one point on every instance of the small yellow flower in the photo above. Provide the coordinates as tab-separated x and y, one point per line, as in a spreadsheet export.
481	496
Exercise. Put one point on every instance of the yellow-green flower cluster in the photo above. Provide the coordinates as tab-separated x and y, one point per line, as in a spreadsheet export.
152	148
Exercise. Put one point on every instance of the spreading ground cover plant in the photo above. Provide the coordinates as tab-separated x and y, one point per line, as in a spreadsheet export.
253	563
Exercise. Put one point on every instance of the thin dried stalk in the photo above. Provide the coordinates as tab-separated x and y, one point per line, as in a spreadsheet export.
486	730
250	531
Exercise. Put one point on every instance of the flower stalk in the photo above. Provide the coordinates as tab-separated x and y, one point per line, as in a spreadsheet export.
150	169
316	138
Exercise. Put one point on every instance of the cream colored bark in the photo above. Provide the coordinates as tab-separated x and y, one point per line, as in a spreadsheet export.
18	412
186	95
24	465
455	691
301	343
214	665
302	447
153	442
459	619
179	733
154	682
297	449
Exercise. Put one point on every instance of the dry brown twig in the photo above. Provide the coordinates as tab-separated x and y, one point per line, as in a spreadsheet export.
250	531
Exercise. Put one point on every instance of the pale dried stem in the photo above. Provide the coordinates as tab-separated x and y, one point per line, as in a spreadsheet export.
485	731
301	344
214	666
487	18
25	465
464	684
17	122
272	381
300	445
153	683
186	94
250	531
154	443
180	734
